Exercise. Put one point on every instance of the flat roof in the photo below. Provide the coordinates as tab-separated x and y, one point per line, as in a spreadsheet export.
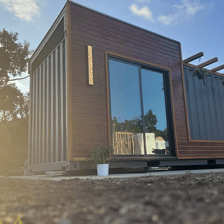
101	14
124	21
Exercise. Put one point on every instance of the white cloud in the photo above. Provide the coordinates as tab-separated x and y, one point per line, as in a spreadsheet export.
144	12
189	7
23	9
168	19
186	9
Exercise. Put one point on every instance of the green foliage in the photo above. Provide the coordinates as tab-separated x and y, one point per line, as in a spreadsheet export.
13	128
101	154
13	145
13	56
201	73
135	125
13	103
163	134
150	122
14	109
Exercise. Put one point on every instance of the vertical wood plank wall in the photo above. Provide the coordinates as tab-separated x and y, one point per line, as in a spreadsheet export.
107	34
47	139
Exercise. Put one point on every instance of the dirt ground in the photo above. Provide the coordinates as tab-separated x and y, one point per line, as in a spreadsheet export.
187	199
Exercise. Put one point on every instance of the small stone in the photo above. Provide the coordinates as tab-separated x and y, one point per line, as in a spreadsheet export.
155	218
119	221
65	221
126	208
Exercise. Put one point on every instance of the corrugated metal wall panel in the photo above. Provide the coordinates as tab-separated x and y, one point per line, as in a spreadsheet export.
205	106
48	123
64	99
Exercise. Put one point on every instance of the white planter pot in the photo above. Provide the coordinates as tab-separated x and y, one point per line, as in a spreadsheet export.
102	169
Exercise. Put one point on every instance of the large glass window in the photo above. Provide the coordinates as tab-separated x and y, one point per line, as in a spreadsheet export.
138	110
125	107
154	112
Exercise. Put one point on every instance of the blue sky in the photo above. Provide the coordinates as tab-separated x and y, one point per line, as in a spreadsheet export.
197	24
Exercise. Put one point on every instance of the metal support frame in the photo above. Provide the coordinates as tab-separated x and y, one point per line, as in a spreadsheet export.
182	162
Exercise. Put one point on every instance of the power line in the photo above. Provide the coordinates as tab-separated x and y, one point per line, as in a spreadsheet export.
19	78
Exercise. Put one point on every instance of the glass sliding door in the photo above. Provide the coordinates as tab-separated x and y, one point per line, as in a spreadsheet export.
155	120
138	109
125	108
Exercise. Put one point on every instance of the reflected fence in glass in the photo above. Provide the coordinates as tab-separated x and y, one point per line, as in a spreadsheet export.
138	110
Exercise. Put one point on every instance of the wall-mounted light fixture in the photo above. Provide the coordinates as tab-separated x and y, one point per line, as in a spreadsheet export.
90	64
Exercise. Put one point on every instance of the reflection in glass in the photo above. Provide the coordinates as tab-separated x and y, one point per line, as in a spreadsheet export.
125	108
155	120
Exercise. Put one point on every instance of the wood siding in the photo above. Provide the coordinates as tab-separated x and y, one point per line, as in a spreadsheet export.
89	103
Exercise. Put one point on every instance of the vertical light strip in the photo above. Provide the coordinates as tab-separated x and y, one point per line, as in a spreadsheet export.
47	111
52	107
33	117
30	122
43	113
56	103
40	114
90	64
36	118
61	102
66	99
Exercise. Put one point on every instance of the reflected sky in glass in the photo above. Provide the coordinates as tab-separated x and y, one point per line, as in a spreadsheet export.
153	96
124	91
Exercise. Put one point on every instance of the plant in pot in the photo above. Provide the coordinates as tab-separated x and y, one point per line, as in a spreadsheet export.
101	156
201	73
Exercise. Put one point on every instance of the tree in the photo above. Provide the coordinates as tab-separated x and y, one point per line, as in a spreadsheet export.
135	125
13	103
163	134
13	56
150	122
22	106
9	100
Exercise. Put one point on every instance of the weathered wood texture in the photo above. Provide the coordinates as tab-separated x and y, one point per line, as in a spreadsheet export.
90	102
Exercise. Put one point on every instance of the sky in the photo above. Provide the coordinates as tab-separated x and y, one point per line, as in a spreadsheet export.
197	24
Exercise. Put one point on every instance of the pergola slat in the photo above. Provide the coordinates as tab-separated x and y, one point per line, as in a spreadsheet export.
217	68
194	57
213	60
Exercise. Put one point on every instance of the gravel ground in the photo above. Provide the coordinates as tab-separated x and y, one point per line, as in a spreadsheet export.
189	198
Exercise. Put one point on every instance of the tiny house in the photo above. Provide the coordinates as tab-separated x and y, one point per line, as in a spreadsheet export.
95	78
